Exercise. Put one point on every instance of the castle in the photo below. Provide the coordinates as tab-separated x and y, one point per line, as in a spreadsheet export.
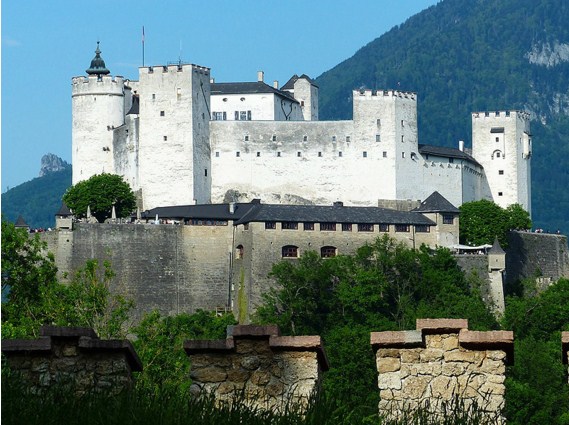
180	138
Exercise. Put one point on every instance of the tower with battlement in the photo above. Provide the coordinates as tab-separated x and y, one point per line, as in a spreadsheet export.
501	143
98	104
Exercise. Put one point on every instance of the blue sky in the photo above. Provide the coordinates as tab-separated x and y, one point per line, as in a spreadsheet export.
45	43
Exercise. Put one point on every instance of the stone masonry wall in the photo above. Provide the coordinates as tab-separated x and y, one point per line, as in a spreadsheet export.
257	366
75	357
441	362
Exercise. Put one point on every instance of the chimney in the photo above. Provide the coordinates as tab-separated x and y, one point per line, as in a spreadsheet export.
276	84
260	76
461	145
232	208
212	80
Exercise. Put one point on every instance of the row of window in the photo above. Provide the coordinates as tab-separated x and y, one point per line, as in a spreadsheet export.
292	251
222	116
360	227
238	116
320	155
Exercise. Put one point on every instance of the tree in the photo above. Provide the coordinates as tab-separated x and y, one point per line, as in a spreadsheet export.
101	192
481	222
34	297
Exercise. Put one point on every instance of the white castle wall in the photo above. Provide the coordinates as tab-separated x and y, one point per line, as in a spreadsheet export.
97	107
504	155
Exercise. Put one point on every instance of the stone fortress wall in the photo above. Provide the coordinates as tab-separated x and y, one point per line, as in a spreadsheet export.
439	362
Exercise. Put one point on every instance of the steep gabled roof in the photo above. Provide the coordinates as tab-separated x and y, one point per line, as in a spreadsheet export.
436	203
64	210
20	222
205	211
289	85
496	248
248	88
446	153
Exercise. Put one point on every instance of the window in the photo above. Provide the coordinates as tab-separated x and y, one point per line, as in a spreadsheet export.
201	222
384	227
153	96
270	225
248	115
218	116
402	124
274	138
217	154
239	252
340	154
364	154
304	138
402	154
378	122
331	227
299	154
302	103
289	225
402	228
346	227
290	251
247	138
165	138
451	160
365	227
308	226
497	139
422	228
498	154
333	138
384	154
348	139
206	172
448	219
501	172
237	154
243	115
258	154
161	113
500	194
328	251
278	154
320	154
236	115
246	226
377	138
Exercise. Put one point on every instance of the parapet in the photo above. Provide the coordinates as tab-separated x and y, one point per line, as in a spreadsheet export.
440	363
72	356
380	94
174	68
92	84
258	366
502	114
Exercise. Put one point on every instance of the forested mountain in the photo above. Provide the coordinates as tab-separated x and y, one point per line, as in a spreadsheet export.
462	56
38	200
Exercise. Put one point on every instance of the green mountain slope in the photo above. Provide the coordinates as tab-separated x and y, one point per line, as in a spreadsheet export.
38	200
462	56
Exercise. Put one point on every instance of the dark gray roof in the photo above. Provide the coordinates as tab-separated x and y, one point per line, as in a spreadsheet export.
289	85
64	210
436	203
445	152
205	211
20	222
135	108
248	88
496	248
332	214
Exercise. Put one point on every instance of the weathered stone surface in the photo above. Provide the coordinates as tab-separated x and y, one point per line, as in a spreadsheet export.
431	354
391	380
388	364
209	374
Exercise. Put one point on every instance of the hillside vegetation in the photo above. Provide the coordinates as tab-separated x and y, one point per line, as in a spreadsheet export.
462	56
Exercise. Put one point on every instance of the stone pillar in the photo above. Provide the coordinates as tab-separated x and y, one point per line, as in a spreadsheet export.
565	349
72	356
441	363
258	367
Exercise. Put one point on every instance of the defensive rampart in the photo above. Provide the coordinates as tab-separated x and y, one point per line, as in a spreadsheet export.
441	362
75	357
258	366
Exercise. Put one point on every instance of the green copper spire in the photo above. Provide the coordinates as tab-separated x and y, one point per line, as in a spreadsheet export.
98	64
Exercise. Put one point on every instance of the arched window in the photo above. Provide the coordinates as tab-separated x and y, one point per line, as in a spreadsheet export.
239	252
497	154
328	251
290	251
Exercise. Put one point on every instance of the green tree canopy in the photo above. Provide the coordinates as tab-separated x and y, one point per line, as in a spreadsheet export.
481	222
100	193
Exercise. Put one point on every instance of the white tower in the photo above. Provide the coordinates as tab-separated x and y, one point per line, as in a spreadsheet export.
174	149
501	143
97	108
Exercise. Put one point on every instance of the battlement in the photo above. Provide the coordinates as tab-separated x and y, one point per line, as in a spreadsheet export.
502	114
174	68
369	94
97	85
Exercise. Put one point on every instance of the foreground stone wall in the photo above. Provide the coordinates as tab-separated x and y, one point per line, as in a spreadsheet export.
441	362
258	366
72	356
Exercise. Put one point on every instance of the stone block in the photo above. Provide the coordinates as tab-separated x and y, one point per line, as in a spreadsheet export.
388	364
389	380
441	325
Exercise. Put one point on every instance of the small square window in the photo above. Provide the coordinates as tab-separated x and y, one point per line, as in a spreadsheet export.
308	226
238	154
247	138
378	122
298	154
348	139
451	160
217	154
377	138
258	154
384	227
270	225
205	172
320	154
289	225
340	154
501	172
497	139
161	113
402	228
365	227
153	96
346	227
328	226
165	138
333	138
305	138
278	154
402	154
274	138
402	138
384	154
448	219
500	194
365	154
402	123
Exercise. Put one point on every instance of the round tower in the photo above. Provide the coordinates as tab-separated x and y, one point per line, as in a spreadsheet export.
97	109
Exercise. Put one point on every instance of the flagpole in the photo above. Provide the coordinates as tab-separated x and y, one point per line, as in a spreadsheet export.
143	45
